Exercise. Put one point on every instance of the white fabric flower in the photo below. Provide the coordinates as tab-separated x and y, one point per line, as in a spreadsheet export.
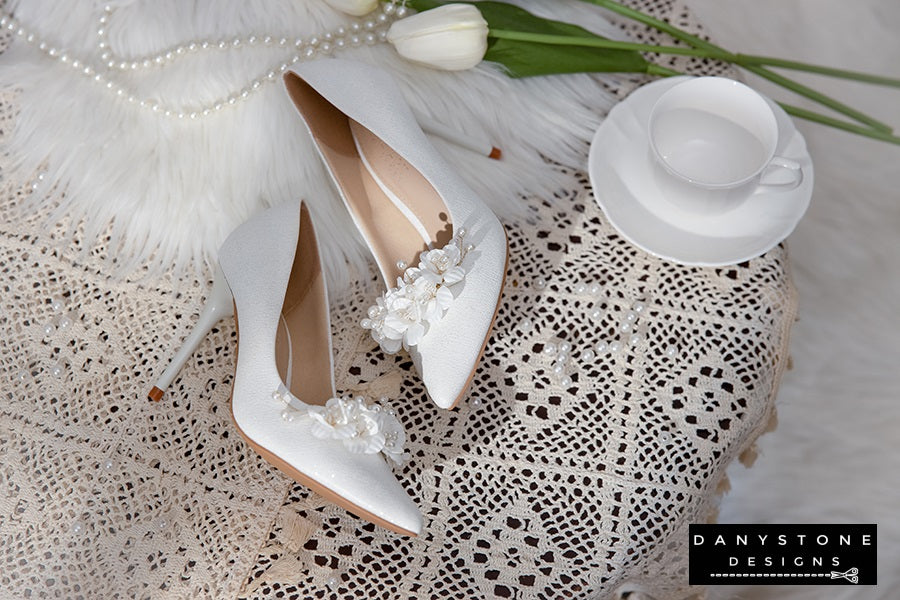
443	265
362	429
402	315
395	438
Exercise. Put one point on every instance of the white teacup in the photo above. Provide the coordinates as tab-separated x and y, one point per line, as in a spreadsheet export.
715	139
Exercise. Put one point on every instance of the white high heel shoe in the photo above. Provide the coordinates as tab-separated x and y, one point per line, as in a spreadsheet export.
283	402
428	231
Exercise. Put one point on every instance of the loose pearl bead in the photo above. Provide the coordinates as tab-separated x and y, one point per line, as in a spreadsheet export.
638	307
600	347
461	232
615	346
562	358
550	349
366	324
77	528
587	355
634	340
558	369
276	395
162	524
596	314
580	288
565	346
49	329
540	283
625	327
671	351
476	402
631	316
402	265
65	323
58	369
565	381
287	416
332	583
525	325
108	464
595	289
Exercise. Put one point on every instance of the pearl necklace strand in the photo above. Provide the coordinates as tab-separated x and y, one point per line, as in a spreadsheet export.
371	30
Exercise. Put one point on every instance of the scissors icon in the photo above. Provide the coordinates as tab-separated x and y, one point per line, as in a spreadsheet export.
852	575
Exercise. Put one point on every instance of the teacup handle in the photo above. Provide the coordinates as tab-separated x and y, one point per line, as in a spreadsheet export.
780	162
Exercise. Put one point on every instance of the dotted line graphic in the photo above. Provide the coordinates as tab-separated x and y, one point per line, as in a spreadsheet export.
851	575
828	575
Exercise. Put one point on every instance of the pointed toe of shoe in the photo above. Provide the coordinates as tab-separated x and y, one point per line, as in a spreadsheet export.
449	353
375	490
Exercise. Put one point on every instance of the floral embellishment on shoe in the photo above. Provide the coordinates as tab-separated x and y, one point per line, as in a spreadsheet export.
362	428
401	316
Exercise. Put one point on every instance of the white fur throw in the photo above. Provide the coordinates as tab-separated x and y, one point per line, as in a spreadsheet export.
169	190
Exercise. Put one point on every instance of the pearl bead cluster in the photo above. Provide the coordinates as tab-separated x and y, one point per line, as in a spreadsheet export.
562	353
62	323
371	30
285	398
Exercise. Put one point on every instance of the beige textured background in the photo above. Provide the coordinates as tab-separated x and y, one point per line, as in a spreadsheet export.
835	456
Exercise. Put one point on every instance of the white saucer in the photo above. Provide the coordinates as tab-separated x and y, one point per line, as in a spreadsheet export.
623	178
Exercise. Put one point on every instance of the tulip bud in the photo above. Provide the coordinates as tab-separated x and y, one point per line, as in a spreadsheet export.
357	8
451	37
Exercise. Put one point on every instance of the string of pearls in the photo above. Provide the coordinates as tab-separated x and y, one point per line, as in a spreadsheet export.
368	31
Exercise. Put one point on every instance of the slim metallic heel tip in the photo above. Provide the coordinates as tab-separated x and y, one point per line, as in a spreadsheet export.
155	394
496	153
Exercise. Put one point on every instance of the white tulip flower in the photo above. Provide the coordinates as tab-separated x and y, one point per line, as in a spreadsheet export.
452	37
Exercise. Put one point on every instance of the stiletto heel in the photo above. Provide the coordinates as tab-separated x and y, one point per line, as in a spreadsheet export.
440	250
283	402
219	304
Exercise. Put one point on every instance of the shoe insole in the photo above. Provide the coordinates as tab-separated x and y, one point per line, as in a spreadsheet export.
303	340
397	210
406	214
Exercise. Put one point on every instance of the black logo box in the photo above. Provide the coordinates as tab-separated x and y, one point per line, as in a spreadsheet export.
783	554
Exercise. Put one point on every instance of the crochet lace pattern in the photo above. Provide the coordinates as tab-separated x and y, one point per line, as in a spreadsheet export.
574	483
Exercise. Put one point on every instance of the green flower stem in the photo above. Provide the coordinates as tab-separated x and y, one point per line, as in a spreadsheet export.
662	71
697	42
592	42
809	115
740	59
751	59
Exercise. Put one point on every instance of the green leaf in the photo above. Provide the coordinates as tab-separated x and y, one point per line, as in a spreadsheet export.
528	59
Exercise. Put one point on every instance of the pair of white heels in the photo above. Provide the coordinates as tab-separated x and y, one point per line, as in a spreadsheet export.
441	252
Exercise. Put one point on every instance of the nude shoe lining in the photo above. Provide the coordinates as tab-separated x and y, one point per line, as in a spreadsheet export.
368	182
303	339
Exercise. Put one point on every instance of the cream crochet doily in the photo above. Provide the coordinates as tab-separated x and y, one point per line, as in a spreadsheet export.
538	486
